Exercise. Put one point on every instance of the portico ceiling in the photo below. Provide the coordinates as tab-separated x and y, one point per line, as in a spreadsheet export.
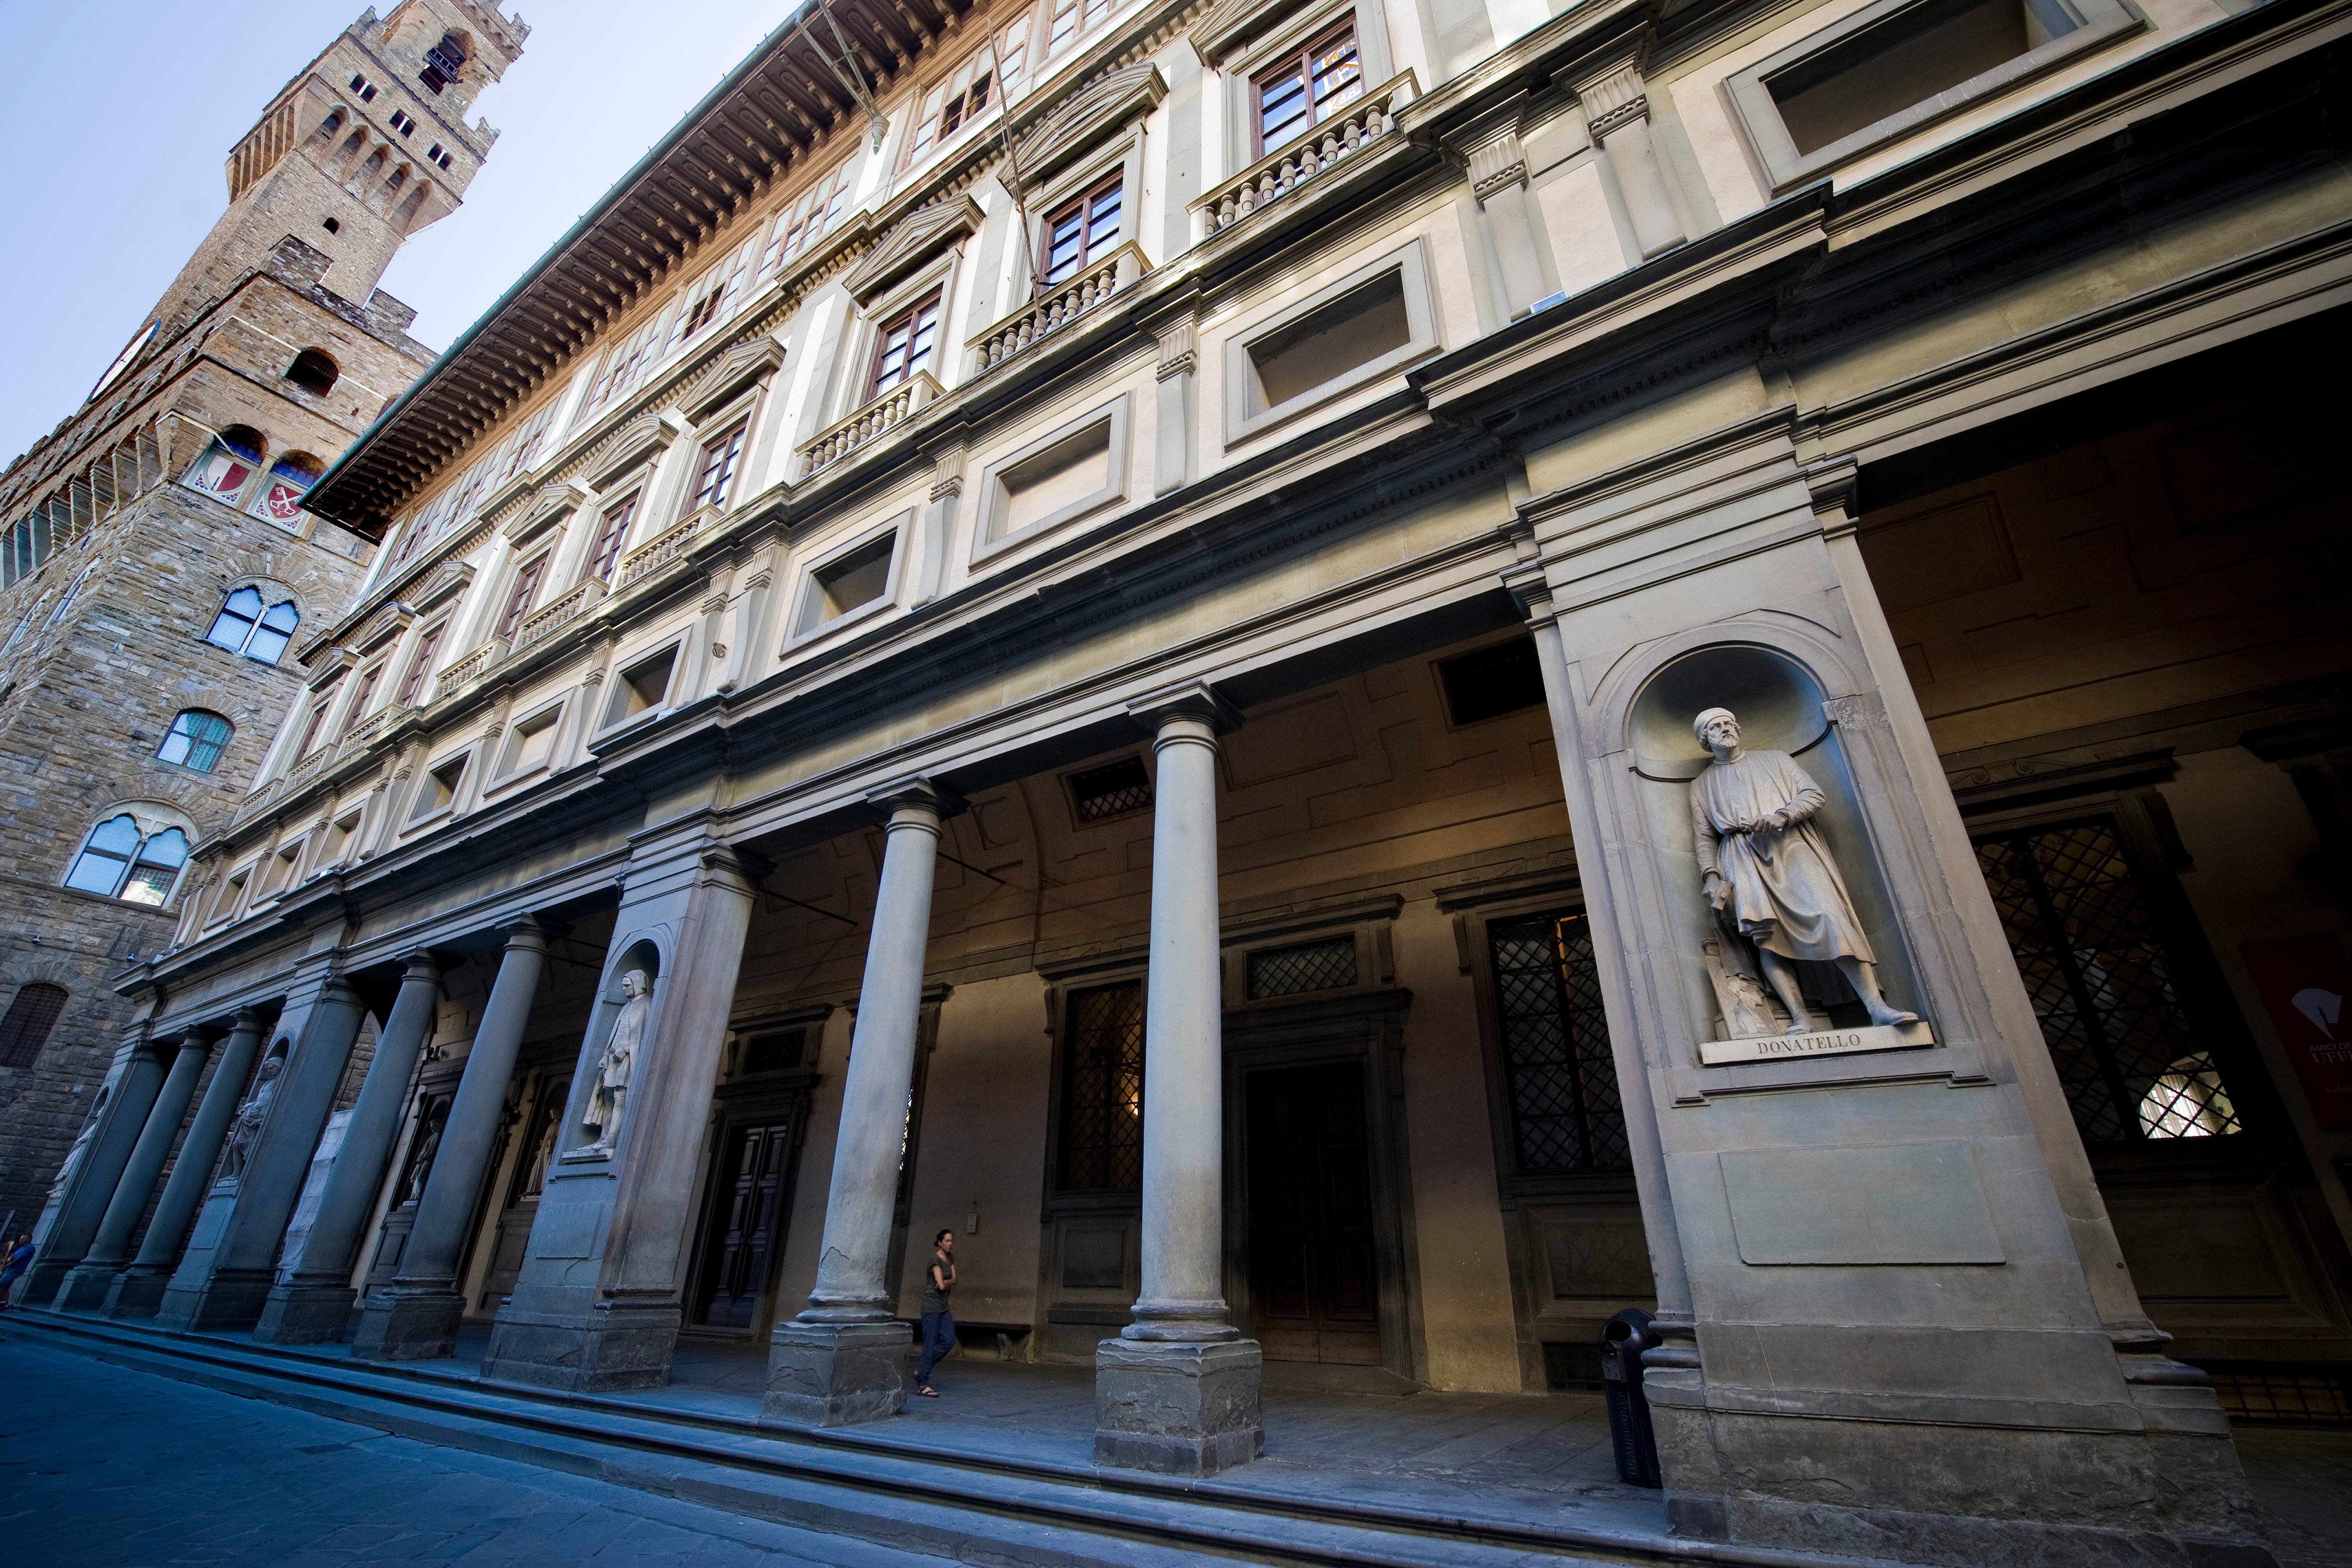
757	126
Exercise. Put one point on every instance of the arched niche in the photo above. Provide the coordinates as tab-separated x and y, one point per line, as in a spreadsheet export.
1784	704
645	951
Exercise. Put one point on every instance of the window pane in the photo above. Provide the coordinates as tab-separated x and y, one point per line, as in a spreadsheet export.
276	629
1282	107
1065	245
1102	1103
2121	1035
1560	1075
105	856
234	622
32	1013
1338	78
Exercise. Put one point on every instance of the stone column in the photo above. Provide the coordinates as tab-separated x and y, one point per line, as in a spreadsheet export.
841	1360
415	1317
599	1299
313	1304
85	1288
137	1290
84	1203
231	1259
1178	1391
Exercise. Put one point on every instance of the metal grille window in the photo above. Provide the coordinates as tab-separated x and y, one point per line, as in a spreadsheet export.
1102	1096
1113	790
2122	1036
32	1013
779	1050
1324	965
1562	1081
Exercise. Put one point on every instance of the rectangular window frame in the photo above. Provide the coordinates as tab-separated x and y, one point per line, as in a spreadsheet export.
1065	1069
426	776
950	92
1244	422
507	773
811	215
995	498
1080	208
2099	23
806	628
1301	54
522	593
612	725
419	673
932	299
716	478
610	540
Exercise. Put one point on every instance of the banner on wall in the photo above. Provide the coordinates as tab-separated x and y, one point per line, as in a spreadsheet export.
2305	982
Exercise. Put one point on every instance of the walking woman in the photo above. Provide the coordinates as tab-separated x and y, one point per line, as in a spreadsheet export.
939	1323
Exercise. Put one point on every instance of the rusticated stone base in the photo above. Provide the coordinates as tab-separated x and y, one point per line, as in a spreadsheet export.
87	1287
229	1300
409	1325
137	1292
612	1347
836	1374
301	1314
1177	1409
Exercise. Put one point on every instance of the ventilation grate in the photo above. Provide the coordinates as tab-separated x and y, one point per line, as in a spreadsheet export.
1112	790
1326	966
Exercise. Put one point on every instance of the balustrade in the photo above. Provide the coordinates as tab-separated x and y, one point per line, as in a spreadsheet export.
545	621
891	409
1280	172
1059	306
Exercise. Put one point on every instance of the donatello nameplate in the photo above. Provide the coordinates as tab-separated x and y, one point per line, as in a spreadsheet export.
1820	1043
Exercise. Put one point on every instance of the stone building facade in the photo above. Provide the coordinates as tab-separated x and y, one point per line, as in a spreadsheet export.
156	565
1086	625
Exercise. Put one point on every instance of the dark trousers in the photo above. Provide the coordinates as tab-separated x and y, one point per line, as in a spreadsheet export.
939	1338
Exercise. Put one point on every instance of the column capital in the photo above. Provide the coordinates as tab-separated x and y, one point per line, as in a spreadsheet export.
246	1018
1193	700
421	963
916	792
523	931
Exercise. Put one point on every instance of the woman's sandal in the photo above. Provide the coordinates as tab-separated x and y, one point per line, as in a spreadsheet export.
928	1391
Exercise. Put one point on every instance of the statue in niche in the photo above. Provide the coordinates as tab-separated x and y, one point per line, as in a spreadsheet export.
420	1164
80	1145
246	1128
1769	875
615	1062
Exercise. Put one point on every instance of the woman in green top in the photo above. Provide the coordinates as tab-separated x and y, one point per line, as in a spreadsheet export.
939	1323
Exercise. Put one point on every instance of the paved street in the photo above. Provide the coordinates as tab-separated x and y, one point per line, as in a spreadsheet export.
103	1466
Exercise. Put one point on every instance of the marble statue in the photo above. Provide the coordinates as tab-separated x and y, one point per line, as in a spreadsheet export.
81	1146
617	1060
420	1165
247	1125
1769	875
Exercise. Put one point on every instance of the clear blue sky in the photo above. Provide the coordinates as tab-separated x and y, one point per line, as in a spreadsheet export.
120	116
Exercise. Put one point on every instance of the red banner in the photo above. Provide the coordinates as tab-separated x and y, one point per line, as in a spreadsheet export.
2305	982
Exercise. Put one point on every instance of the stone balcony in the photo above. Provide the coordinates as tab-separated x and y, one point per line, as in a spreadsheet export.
1059	305
877	418
1275	175
660	550
551	617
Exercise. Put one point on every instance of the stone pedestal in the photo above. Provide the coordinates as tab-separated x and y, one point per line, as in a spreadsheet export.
138	1290
416	1316
1177	1409
403	1321
596	1305
231	1261
836	1374
312	1305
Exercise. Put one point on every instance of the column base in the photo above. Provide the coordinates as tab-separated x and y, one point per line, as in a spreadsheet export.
86	1287
1177	1409
306	1314
608	1348
836	1374
1956	1494
228	1300
41	1282
403	1323
137	1292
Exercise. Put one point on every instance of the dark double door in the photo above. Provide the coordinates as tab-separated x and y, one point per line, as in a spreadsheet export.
1314	1283
746	1222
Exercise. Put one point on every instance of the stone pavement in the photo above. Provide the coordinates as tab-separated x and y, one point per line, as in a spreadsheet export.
99	1465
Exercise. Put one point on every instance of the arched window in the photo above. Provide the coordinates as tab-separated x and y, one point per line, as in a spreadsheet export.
32	1014
228	464
314	371
291	479
197	740
245	626
121	860
334	123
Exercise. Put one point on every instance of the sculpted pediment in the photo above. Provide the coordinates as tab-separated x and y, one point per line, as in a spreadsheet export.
727	374
1100	109
1233	23
625	448
546	508
919	236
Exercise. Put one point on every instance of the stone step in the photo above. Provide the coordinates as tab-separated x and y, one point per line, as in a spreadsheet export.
952	1503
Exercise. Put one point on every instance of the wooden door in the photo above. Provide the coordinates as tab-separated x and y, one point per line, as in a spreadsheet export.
1313	1282
746	1224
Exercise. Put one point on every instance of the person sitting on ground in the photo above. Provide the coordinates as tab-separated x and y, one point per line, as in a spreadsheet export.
20	1259
938	1323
